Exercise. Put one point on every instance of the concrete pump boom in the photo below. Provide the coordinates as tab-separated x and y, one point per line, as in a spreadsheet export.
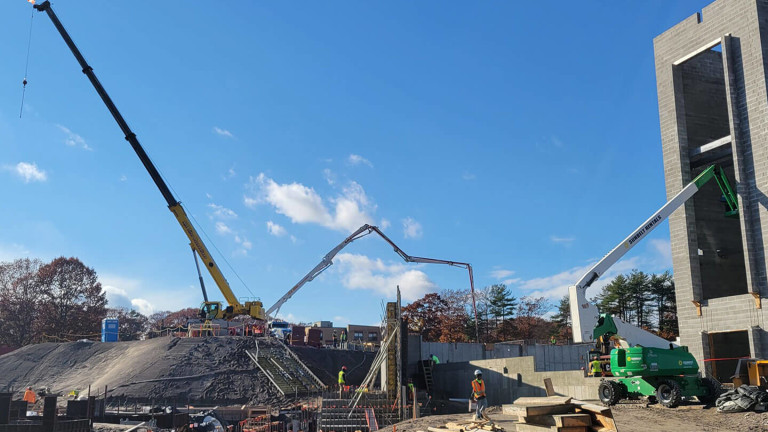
363	231
585	317
210	309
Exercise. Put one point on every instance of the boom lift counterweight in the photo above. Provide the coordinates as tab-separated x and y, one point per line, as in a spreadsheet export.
210	310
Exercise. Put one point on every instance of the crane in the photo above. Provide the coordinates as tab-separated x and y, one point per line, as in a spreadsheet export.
361	232
209	309
648	365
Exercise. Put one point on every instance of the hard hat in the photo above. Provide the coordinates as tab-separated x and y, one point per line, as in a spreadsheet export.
478	372
343	368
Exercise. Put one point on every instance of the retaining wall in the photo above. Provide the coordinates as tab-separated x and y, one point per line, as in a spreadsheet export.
510	378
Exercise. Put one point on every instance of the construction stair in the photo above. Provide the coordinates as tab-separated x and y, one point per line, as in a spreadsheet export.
372	412
426	369
284	369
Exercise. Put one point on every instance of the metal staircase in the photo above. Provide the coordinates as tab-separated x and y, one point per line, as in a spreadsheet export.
284	369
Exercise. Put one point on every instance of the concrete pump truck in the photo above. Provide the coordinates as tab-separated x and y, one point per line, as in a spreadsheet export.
645	364
209	310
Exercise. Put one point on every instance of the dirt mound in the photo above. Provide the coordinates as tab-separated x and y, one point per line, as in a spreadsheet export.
166	370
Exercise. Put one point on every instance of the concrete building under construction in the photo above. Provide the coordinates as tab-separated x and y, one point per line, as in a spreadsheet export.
712	83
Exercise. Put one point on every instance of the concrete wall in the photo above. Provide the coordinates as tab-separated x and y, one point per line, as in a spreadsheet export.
510	378
741	26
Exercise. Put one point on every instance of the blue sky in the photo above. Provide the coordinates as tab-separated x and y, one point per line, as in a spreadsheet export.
521	137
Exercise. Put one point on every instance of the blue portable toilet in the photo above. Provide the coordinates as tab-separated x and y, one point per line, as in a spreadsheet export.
109	330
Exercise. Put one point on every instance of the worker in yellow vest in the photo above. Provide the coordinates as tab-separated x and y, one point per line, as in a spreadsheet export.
342	379
595	367
478	393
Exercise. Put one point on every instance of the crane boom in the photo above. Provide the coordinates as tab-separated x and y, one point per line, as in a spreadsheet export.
253	308
361	232
584	314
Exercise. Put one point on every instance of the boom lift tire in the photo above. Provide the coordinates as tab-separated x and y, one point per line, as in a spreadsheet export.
669	394
610	392
713	391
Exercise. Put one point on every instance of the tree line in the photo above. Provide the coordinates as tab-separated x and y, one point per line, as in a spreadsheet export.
644	300
63	300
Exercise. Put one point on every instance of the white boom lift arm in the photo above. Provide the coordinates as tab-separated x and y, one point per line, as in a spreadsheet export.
361	232
584	314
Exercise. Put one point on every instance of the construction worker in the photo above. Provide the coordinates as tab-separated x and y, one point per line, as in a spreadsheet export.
553	340
434	359
342	379
335	339
595	367
30	396
478	393
344	339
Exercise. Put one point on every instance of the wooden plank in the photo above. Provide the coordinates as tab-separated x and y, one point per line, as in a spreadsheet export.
530	411
586	406
550	388
561	420
434	429
542	401
524	427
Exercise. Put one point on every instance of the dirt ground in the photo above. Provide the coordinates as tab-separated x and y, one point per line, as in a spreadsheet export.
636	417
165	371
629	417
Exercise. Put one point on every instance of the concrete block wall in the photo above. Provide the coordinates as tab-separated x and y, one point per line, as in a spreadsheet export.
510	378
742	28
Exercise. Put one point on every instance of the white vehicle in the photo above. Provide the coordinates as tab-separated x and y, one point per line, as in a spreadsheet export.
279	329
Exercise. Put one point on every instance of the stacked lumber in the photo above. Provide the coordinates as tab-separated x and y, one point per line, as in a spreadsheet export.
468	426
559	414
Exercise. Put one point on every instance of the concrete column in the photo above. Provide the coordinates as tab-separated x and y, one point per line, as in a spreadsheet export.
705	367
5	407
755	345
49	412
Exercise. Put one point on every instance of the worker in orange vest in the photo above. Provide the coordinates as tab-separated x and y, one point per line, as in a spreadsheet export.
478	393
30	396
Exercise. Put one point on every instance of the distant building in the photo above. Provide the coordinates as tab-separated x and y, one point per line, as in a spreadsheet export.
356	334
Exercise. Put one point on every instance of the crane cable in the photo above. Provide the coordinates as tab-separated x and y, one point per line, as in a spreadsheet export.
26	66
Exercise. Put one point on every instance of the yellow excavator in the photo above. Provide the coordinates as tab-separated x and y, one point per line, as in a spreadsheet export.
210	309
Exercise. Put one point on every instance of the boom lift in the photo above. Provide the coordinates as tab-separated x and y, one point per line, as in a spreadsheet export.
647	364
361	232
209	309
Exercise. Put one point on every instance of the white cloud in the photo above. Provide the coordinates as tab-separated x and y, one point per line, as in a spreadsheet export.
655	259
222	212
118	297
303	204
123	178
230	173
29	172
664	249
468	176
357	160
340	321
361	272
73	139
222	132
330	176
293	239
561	240
384	224
411	228
222	228
244	242
275	229
501	273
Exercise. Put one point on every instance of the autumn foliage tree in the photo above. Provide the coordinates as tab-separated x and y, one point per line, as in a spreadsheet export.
21	298
61	299
74	302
